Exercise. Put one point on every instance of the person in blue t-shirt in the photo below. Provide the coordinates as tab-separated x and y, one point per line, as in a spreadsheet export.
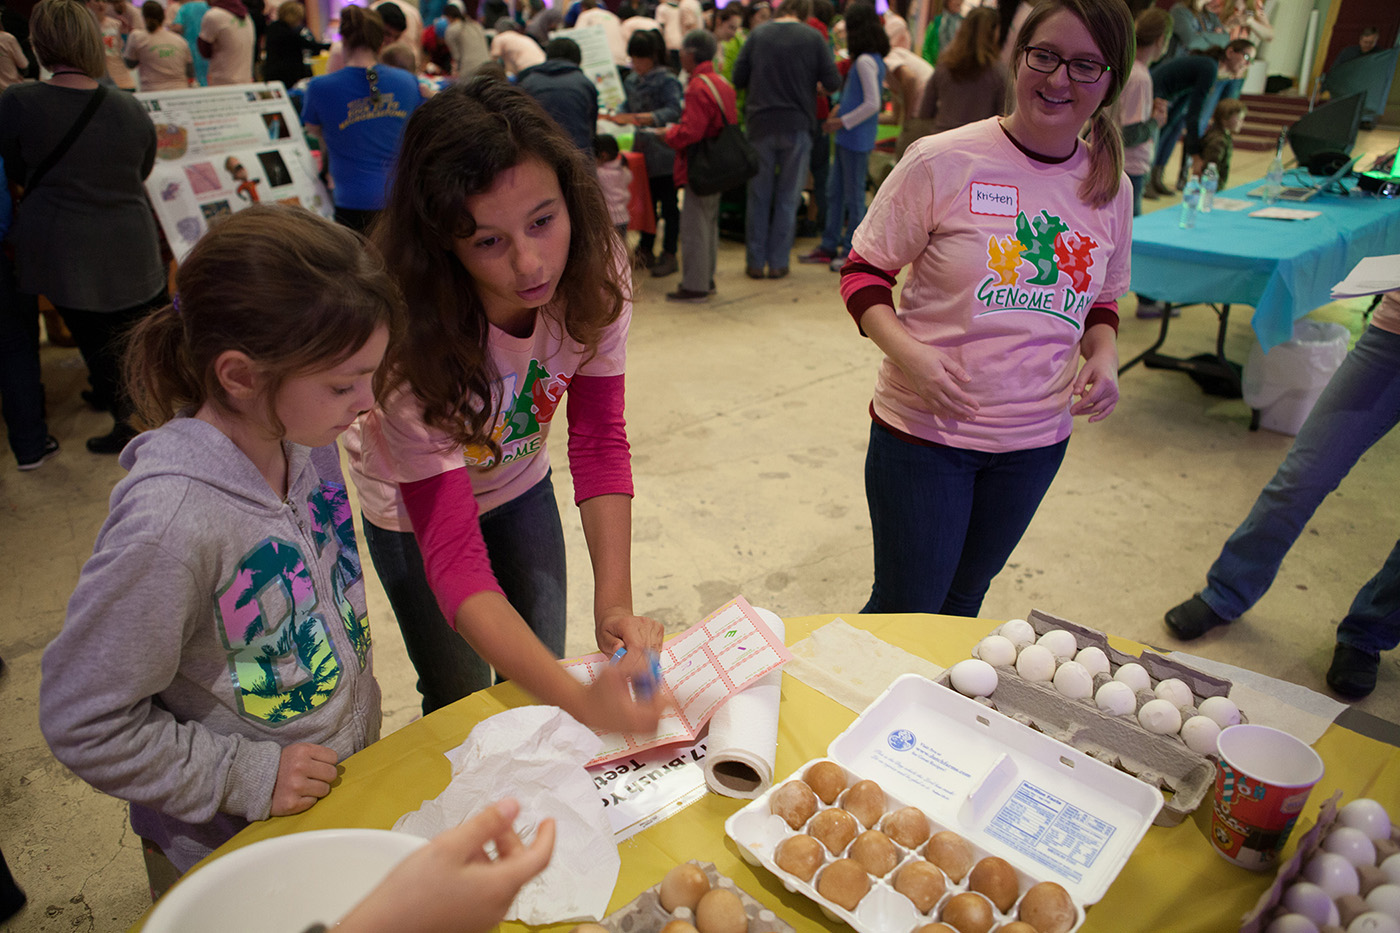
359	114
186	23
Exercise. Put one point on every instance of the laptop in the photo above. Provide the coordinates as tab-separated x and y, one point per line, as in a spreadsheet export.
1298	193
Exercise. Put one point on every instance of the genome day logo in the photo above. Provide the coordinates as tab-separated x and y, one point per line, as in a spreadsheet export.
901	740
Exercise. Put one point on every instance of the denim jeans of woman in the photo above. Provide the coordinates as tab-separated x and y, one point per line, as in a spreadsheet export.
1359	406
945	519
845	198
525	541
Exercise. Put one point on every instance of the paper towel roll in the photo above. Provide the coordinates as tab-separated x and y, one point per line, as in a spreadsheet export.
743	738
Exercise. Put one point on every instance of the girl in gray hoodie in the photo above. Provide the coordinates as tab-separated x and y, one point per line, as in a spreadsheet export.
215	663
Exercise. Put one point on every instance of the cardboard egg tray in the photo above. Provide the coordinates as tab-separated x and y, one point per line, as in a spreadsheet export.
1053	813
644	913
1164	761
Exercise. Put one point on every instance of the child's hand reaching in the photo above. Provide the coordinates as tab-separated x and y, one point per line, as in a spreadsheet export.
304	776
450	885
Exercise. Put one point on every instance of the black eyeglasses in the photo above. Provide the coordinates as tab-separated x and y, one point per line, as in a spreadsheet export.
372	76
1080	70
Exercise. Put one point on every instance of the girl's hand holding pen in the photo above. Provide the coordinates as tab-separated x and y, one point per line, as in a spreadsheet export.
614	705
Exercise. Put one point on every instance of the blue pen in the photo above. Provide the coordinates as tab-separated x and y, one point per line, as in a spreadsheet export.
645	688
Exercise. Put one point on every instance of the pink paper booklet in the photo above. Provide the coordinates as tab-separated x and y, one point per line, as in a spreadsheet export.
700	669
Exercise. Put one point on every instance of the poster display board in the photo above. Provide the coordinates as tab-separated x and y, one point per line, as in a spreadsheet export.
221	149
597	63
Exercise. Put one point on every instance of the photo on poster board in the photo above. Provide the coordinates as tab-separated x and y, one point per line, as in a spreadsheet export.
222	149
597	63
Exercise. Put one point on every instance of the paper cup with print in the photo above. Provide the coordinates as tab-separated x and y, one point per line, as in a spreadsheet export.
1262	781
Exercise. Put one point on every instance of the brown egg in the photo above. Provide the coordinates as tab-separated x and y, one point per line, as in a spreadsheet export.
721	911
1015	926
827	779
1047	907
799	855
834	828
675	926
967	913
995	878
794	802
922	882
950	852
875	853
866	802
843	882
683	886
907	826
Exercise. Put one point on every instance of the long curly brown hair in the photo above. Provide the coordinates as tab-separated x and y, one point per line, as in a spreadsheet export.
454	147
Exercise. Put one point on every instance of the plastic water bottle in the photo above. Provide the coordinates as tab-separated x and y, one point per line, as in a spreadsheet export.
1274	185
1210	181
1190	202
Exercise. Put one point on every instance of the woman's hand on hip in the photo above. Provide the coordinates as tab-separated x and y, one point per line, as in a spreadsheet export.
939	382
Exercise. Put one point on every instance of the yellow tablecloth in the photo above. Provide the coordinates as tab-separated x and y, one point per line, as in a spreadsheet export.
1173	883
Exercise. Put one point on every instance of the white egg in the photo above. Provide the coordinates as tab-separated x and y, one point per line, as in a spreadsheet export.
1174	691
973	677
1160	716
1291	923
1391	867
1073	681
1306	898
1366	815
1093	659
1351	844
1134	675
1222	709
1019	631
996	650
1373	921
1035	663
1386	899
1333	874
1061	643
1199	733
1116	698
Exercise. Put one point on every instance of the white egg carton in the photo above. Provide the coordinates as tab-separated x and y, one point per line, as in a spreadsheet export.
1053	813
1164	761
644	913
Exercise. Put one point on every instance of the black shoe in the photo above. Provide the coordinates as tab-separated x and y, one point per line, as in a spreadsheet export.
1192	619
1353	671
112	442
754	272
48	453
686	295
778	273
665	265
95	403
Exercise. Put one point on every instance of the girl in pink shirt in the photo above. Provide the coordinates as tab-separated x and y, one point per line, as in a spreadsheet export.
1017	235
518	301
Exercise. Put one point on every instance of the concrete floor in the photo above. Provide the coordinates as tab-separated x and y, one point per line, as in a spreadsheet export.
748	423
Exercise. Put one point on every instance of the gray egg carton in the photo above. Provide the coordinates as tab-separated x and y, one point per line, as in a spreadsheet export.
1164	761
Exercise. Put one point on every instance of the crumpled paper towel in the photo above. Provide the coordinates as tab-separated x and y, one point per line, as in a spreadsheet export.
535	754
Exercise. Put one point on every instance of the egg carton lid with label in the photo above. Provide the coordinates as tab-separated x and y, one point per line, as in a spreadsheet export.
1054	813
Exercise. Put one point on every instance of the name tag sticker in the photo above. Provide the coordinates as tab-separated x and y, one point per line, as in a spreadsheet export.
997	200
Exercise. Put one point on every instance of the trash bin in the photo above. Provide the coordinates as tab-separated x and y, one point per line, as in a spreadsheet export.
1284	383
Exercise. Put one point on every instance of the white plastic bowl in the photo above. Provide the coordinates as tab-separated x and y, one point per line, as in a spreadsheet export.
283	884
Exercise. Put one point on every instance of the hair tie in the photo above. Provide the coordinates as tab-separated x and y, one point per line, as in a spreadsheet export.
175	302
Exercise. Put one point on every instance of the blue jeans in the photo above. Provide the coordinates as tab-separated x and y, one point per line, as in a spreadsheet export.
845	198
783	159
21	392
525	542
1139	182
945	520
1359	406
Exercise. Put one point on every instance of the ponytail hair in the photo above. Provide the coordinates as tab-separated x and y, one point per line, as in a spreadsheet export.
1110	25
291	290
361	29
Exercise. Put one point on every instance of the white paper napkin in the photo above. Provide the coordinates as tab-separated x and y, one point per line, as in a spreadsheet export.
535	754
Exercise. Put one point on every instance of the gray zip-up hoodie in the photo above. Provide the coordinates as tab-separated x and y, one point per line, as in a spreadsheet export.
213	625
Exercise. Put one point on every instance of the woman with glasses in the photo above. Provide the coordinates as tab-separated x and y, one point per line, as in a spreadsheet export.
359	113
1016	232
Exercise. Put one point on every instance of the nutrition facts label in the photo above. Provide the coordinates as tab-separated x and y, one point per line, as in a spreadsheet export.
1052	831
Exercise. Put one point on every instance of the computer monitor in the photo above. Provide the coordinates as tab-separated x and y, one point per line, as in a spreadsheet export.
1329	128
